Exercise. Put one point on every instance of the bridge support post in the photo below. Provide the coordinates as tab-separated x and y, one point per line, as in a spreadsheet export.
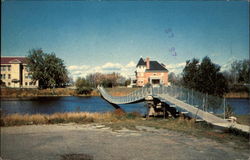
156	108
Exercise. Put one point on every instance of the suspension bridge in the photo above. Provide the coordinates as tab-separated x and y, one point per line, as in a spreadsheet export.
196	104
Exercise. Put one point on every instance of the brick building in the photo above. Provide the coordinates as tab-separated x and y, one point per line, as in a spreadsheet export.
14	73
150	72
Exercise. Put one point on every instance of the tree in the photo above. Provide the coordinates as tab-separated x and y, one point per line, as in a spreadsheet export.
190	73
235	68
204	77
82	86
46	68
94	79
240	70
244	71
127	82
172	77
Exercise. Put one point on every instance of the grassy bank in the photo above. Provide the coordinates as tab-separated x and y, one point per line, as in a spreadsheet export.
117	91
237	95
79	117
22	92
25	92
120	91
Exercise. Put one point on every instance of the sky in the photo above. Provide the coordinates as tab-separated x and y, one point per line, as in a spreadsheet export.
109	36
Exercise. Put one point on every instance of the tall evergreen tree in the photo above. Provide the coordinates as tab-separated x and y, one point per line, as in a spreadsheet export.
190	76
205	77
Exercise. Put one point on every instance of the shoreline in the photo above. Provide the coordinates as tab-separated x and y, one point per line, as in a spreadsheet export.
16	119
64	92
33	96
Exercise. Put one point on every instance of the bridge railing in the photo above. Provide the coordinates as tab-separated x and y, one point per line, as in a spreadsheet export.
131	97
200	100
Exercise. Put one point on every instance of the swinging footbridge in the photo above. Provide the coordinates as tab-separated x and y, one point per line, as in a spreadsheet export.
196	104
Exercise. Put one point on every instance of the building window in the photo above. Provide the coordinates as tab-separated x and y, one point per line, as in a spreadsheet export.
9	68
26	83
29	76
3	76
26	69
3	68
9	76
30	83
8	83
26	76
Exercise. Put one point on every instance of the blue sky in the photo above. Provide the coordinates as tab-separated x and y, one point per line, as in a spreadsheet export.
111	36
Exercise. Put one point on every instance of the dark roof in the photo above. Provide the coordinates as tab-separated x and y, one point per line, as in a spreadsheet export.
10	60
155	66
141	63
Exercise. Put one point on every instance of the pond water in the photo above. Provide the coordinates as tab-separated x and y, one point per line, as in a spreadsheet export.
50	105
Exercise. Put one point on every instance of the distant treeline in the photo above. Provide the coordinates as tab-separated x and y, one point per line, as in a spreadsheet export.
206	77
85	85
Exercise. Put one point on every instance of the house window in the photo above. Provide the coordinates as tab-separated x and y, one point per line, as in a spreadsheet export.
9	68
26	68
29	76
8	83
3	68
3	76
26	83
9	76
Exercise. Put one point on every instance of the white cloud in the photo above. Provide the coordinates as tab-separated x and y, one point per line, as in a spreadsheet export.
126	70
131	64
112	66
82	70
176	68
74	67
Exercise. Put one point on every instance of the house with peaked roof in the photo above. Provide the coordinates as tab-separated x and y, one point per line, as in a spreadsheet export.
14	73
151	72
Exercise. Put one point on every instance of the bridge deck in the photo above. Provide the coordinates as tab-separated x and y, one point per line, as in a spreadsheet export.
162	94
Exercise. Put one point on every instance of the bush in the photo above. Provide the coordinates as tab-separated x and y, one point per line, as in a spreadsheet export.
84	90
82	86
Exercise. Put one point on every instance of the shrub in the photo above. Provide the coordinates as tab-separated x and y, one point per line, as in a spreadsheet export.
84	90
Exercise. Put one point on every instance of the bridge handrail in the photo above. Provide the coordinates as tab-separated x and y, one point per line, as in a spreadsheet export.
131	97
192	97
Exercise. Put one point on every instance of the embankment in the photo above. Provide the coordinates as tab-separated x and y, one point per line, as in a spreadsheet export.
23	92
237	95
117	91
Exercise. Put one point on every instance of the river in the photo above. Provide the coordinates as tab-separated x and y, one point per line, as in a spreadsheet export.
50	105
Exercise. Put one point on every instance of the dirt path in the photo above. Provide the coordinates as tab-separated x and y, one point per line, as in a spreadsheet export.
44	142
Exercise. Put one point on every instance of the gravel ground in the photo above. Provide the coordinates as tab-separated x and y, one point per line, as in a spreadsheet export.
94	141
